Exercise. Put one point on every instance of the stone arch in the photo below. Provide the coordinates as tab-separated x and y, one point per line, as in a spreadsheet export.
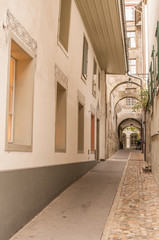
129	96
126	119
121	129
133	125
125	82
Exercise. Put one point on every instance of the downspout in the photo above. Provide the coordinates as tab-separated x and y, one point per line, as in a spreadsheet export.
122	6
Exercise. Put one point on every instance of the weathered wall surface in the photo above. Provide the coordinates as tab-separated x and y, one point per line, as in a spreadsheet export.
153	16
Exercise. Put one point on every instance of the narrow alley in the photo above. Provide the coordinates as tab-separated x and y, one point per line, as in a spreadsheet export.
79	119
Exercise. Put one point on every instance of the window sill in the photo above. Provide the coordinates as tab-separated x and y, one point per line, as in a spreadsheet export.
17	147
63	49
80	152
60	150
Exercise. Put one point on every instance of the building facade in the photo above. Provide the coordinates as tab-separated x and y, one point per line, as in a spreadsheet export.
52	99
152	25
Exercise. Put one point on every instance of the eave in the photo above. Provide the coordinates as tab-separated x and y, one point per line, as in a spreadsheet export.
104	26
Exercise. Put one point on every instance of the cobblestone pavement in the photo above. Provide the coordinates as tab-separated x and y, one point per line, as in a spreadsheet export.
136	214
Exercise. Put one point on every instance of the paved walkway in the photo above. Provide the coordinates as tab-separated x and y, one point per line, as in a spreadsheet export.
81	211
135	212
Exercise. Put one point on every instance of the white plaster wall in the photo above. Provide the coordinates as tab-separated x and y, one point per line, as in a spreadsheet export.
41	21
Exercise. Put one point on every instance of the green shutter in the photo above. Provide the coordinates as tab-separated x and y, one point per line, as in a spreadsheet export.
158	48
151	84
153	69
148	93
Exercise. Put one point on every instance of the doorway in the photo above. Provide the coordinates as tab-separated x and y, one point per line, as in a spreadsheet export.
97	140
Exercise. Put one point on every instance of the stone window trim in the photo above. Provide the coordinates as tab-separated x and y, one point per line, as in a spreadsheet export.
14	146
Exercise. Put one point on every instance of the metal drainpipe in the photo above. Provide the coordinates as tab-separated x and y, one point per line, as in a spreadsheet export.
124	29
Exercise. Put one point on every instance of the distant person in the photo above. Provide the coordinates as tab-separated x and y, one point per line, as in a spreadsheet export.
139	144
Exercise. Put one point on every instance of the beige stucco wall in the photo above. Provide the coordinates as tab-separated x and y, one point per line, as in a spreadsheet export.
41	21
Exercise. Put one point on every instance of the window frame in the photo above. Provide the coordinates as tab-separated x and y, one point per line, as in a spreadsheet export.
84	61
59	27
11	146
131	73
130	6
130	45
130	101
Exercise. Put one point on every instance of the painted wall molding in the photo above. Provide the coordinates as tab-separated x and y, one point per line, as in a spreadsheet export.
80	97
61	77
20	31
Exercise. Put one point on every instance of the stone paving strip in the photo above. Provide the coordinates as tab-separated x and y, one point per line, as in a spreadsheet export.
135	212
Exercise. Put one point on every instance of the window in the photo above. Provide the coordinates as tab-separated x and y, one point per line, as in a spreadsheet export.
80	128
11	99
64	23
92	132
132	66
20	97
133	138
60	125
94	78
130	13
132	39
85	58
98	80
130	101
